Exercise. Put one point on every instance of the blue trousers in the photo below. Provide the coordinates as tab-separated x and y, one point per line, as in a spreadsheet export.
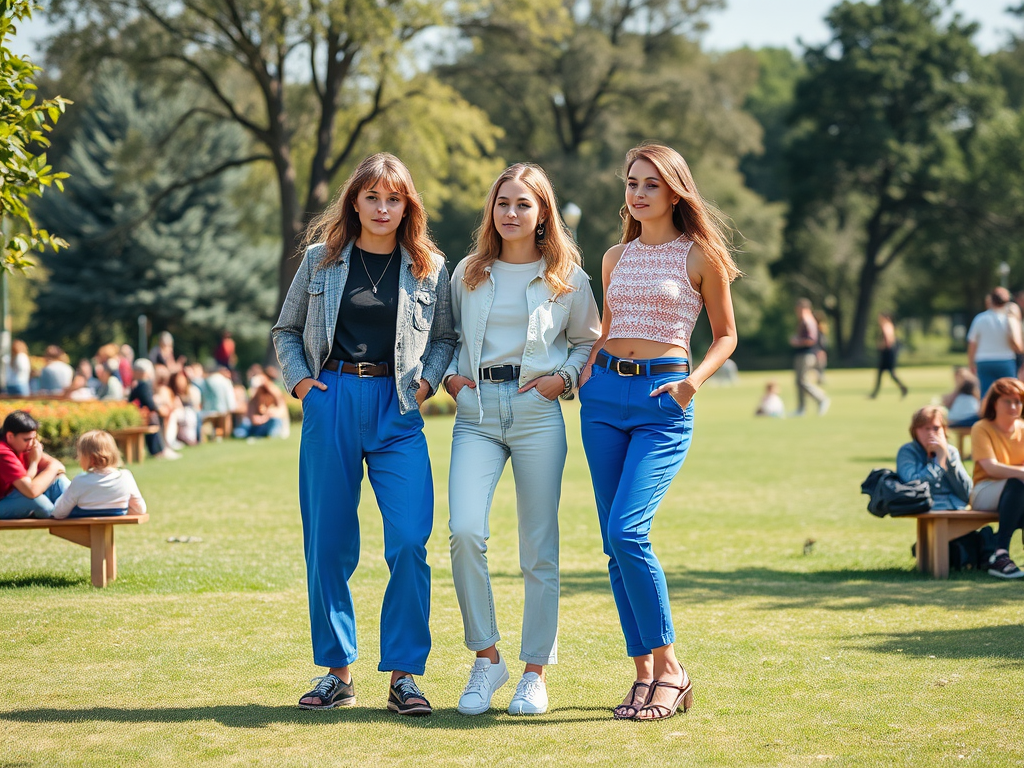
17	506
990	370
356	420
635	445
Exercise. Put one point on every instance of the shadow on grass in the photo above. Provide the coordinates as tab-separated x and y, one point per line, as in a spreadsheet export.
262	715
1001	642
41	580
841	590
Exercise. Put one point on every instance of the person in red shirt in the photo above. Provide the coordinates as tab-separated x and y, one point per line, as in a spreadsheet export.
30	480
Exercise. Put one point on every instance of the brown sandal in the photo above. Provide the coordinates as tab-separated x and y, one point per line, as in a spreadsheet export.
629	711
684	696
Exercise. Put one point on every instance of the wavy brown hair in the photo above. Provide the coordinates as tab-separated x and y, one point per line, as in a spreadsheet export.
339	224
694	216
556	245
1004	387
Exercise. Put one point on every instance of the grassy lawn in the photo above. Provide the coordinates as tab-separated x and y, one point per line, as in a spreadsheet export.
843	655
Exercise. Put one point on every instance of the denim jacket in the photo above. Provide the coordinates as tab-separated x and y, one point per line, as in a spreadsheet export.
950	487
559	336
424	336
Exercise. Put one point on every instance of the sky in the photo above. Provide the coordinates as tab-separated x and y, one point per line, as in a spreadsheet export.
755	23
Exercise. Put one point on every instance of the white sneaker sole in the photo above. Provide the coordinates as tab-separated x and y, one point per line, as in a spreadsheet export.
480	710
524	708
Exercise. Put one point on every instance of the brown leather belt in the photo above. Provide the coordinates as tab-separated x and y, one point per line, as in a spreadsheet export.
359	369
625	367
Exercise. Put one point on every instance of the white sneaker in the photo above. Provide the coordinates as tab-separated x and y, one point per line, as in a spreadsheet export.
531	696
484	679
823	406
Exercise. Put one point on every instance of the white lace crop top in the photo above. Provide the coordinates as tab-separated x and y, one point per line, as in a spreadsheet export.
650	295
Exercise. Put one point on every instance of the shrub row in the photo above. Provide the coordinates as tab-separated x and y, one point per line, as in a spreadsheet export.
62	421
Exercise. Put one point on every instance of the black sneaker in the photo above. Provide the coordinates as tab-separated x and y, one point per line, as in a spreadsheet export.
400	697
1002	567
331	692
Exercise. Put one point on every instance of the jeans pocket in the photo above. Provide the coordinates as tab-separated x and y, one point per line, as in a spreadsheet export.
539	396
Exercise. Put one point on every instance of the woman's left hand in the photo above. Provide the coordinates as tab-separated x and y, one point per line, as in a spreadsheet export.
680	391
549	386
423	392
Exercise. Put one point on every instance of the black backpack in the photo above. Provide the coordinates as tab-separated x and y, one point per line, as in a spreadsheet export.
970	551
890	496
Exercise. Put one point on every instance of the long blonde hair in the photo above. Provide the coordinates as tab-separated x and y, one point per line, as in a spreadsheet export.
339	223
698	219
556	245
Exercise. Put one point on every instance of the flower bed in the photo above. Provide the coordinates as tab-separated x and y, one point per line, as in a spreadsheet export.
62	421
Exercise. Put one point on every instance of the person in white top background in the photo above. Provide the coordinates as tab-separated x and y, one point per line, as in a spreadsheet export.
526	318
102	489
993	341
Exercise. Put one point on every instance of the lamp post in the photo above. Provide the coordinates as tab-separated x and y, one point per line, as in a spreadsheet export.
571	215
1004	274
143	336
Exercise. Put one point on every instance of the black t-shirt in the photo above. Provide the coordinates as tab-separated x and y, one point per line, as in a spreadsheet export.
365	332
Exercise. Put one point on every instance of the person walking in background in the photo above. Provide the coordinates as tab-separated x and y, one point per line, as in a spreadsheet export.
526	319
30	480
888	348
805	359
637	398
993	341
823	344
224	352
19	371
364	338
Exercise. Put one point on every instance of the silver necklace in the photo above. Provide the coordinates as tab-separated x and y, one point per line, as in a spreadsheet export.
377	282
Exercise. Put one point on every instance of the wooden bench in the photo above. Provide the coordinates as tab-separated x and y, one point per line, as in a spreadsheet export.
962	434
221	424
97	533
937	528
131	441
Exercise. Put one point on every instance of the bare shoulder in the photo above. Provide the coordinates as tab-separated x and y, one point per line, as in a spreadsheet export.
697	266
612	256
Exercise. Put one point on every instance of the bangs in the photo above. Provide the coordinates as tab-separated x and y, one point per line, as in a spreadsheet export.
392	179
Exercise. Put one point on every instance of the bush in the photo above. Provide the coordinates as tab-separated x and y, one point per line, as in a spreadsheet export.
62	421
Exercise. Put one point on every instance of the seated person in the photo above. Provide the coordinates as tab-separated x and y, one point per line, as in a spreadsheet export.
56	375
997	442
111	387
101	490
964	402
267	412
771	404
142	396
931	458
30	481
79	389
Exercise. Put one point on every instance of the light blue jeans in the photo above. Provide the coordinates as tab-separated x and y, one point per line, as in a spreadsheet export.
528	429
990	370
17	506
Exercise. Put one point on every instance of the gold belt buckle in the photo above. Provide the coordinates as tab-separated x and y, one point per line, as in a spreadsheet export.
360	367
634	372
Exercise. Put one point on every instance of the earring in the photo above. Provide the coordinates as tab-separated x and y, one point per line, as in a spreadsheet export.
540	230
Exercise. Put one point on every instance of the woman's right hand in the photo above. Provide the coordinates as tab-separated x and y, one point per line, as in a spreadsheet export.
456	383
303	387
584	375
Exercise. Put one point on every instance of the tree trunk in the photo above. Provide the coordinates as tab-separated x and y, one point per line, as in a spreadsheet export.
857	351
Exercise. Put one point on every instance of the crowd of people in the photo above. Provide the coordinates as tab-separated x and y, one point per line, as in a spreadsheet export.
172	392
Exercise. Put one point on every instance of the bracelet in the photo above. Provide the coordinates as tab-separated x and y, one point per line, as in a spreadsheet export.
566	380
445	380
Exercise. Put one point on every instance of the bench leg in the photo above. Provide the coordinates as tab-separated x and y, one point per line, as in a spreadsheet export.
101	545
939	546
140	448
923	545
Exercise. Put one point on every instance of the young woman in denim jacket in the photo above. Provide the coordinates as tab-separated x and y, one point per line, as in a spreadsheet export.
637	410
364	337
526	319
931	458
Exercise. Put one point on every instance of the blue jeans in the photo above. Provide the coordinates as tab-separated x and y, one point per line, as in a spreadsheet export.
528	428
990	370
270	428
17	506
635	445
356	420
113	512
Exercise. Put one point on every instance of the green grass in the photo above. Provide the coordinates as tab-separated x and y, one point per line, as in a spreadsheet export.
846	656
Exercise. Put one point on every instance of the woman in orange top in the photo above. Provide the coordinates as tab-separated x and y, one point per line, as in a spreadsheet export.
997	442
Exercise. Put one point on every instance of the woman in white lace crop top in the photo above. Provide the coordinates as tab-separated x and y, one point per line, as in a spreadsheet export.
636	393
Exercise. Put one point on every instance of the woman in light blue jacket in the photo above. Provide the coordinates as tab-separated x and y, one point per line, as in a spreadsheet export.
931	458
364	337
526	318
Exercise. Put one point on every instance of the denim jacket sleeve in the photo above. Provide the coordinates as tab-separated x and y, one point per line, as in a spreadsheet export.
956	475
442	334
456	297
288	333
583	327
912	463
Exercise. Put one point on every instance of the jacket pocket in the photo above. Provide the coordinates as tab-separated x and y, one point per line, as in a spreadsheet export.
423	306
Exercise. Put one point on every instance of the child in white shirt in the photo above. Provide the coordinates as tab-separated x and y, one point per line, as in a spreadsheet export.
771	404
102	489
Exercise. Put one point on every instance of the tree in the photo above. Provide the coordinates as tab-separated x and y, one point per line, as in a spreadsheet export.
141	242
307	82
880	125
24	126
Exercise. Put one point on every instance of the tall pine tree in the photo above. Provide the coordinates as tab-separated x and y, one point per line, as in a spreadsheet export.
142	239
